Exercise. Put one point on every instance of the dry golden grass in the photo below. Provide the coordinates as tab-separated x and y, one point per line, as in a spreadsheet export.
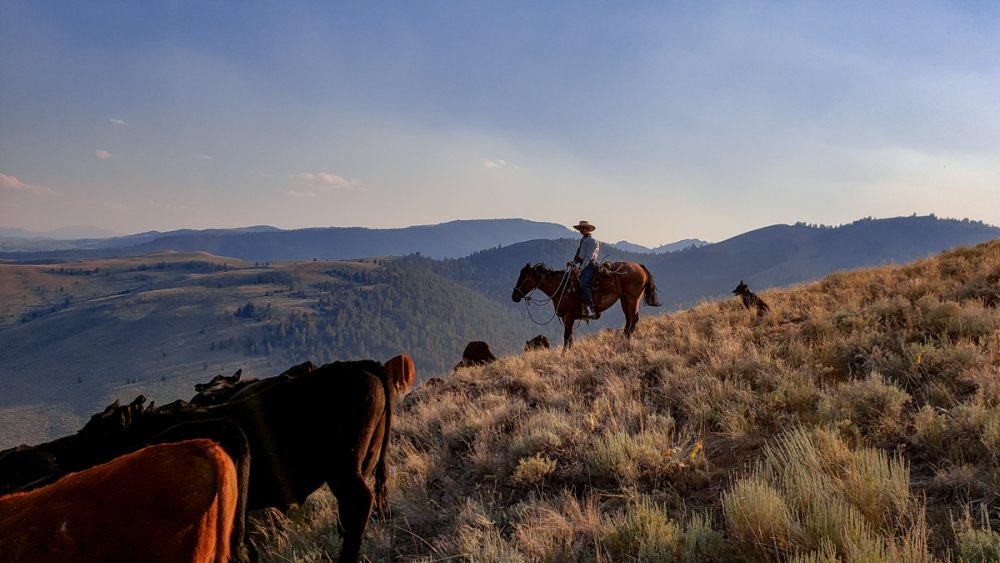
858	420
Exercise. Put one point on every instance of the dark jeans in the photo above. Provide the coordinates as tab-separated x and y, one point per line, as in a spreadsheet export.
586	276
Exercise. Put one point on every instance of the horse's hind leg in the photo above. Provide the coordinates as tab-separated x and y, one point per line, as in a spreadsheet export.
631	310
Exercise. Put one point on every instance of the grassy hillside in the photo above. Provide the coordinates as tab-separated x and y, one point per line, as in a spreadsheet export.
859	420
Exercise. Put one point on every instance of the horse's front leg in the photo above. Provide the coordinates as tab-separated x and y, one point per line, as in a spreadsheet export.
567	332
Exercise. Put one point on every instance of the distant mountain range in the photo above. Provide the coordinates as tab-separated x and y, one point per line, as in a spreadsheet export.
65	233
261	243
274	243
663	248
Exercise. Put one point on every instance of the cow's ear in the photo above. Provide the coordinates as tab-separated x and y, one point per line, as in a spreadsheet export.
400	372
411	372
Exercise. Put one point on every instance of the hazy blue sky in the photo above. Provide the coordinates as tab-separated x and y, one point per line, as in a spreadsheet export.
654	120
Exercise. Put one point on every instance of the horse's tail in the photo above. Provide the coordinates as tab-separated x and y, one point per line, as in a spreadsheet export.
652	298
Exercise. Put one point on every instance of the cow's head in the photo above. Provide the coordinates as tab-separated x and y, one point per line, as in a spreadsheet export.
401	373
114	418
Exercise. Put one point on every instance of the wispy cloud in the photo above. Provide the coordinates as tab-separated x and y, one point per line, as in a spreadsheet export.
103	154
113	206
494	164
328	180
118	121
299	194
205	157
11	183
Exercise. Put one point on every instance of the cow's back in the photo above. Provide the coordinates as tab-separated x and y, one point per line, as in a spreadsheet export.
168	502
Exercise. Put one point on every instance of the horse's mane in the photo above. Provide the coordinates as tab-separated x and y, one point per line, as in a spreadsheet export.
543	269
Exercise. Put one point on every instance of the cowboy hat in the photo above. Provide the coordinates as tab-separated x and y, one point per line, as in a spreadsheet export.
584	225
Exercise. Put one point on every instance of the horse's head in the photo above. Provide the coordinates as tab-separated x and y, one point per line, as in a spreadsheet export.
526	283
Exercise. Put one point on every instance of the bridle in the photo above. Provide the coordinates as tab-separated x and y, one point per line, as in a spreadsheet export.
528	300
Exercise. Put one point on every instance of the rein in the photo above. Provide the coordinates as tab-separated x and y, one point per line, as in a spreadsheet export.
563	283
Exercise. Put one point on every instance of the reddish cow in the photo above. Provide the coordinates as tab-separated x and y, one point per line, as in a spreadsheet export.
169	502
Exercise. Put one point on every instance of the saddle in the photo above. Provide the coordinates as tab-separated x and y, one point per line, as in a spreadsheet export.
604	271
574	283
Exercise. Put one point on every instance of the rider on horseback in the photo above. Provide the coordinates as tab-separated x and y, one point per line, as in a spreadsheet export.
586	256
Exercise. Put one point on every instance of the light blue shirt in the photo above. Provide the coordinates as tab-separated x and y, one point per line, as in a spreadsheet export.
588	252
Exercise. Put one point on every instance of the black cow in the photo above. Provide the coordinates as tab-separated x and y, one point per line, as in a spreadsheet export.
540	342
223	389
477	353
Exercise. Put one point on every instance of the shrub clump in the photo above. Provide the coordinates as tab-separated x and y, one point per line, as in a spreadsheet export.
533	470
811	496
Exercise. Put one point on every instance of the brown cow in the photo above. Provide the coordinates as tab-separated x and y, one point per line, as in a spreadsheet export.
169	502
540	342
477	353
24	468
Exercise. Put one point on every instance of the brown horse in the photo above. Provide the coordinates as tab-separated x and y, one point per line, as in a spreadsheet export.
627	281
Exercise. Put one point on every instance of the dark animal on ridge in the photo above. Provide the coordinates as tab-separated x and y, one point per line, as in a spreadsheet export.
751	299
168	502
477	353
540	342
